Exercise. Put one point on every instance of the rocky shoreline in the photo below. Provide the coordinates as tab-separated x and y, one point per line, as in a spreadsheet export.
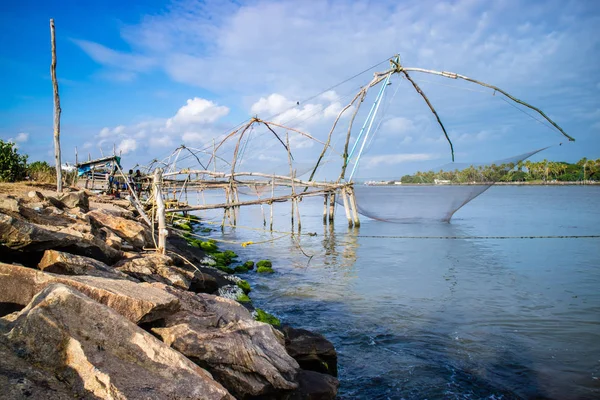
89	310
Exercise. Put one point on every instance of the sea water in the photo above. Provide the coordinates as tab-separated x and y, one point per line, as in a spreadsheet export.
491	305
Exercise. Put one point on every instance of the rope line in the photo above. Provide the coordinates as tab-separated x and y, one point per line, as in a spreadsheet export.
483	237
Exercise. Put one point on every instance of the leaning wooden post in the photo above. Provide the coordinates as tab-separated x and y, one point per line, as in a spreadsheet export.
354	207
160	211
56	111
346	206
331	206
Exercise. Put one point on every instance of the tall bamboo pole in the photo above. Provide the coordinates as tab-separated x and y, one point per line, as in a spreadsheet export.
56	111
160	211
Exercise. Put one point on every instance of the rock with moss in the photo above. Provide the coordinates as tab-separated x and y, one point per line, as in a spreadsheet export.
206	230
263	316
209	247
240	269
230	254
245	286
249	264
264	270
225	269
264	263
243	298
221	258
183	225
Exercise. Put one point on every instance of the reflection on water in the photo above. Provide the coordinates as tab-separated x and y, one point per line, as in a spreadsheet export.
440	318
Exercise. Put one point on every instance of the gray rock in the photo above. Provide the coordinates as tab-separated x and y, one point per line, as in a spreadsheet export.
9	203
20	235
153	267
246	356
111	239
138	302
134	232
315	386
311	350
99	354
75	199
21	380
59	262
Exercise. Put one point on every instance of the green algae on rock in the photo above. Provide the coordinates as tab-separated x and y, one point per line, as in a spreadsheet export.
249	264
244	285
264	270
264	263
263	316
240	269
243	298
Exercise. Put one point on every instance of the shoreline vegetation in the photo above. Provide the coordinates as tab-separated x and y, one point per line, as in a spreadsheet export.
88	308
584	172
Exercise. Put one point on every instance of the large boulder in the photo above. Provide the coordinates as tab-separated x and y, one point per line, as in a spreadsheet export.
138	302
134	232
22	236
74	199
311	350
110	238
59	262
21	380
246	356
151	268
315	386
154	267
99	354
112	208
10	203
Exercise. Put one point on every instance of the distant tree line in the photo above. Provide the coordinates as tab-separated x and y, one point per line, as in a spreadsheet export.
528	171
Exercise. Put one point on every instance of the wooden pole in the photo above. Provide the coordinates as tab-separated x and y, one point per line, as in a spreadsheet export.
160	211
272	196
346	207
354	207
57	111
325	204
331	206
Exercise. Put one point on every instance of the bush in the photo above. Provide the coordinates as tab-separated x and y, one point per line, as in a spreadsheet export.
12	164
41	171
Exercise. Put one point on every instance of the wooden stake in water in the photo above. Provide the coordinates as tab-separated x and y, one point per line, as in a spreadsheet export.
346	207
325	205
331	207
354	207
272	195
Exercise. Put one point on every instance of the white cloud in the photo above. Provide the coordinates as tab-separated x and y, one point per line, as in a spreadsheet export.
164	142
127	146
116	59
273	104
194	122
197	111
473	137
398	125
195	137
532	51
394	159
21	137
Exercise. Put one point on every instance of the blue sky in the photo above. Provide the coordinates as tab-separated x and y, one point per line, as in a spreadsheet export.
149	76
